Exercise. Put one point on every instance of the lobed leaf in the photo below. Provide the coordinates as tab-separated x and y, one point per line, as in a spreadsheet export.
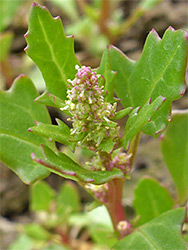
174	148
59	133
163	232
160	71
64	166
17	114
51	50
151	200
138	117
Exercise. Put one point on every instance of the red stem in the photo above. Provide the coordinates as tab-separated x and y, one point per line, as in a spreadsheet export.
114	205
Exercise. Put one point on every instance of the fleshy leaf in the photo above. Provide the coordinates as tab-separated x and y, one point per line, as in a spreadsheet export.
174	147
59	133
64	166
138	117
51	50
41	196
160	71
151	200
109	76
17	114
163	232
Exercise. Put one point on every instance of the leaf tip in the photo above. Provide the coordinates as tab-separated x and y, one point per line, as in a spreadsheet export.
20	76
26	48
29	130
33	156
169	119
159	131
57	18
183	91
171	28
35	4
36	123
26	34
155	33
186	35
164	99
90	180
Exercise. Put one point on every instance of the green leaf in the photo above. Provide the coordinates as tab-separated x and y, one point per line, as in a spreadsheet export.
160	71
60	133
163	232
37	232
8	12
5	44
68	200
51	50
138	117
64	166
174	148
151	200
17	114
109	76
41	196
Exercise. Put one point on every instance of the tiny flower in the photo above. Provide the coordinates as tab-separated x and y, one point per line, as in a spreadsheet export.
124	227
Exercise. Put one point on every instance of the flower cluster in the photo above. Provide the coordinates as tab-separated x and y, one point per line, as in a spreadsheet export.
121	161
91	115
99	191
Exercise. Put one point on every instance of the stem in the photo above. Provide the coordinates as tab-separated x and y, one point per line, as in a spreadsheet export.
104	17
114	204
